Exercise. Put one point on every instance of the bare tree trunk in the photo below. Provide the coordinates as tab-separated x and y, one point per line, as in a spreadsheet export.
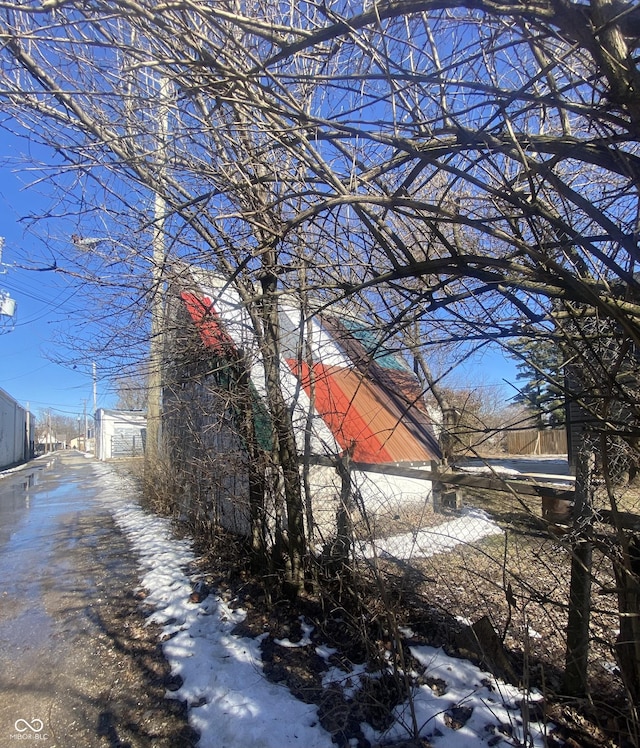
285	449
257	466
344	519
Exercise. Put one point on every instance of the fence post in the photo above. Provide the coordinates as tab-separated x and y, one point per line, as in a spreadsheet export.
436	485
577	647
344	518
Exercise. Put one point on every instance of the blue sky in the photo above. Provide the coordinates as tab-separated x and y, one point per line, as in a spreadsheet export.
48	305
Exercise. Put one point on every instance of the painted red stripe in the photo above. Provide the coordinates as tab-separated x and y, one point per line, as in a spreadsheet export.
207	320
340	413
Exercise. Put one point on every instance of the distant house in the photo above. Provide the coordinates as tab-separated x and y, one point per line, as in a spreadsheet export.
83	442
346	394
120	433
50	440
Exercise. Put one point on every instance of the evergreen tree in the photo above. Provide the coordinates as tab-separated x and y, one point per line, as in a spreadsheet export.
540	368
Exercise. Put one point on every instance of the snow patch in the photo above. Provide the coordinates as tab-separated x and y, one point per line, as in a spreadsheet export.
305	640
233	705
468	708
473	525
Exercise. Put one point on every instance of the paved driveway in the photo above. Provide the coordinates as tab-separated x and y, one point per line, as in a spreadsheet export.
78	667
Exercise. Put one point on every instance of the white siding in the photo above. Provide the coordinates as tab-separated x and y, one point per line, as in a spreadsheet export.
13	433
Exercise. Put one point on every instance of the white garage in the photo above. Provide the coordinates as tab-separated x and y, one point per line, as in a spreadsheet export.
120	433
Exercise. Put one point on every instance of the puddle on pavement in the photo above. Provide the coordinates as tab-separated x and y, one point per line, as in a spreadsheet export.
31	500
30	503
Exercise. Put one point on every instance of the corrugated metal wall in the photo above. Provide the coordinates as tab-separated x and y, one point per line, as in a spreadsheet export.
14	444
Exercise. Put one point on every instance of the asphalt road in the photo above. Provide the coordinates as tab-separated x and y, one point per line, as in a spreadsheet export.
78	665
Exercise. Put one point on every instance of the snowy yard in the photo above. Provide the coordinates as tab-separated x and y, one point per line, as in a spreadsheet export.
232	703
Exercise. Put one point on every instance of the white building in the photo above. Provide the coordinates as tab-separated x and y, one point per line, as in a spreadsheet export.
16	431
120	433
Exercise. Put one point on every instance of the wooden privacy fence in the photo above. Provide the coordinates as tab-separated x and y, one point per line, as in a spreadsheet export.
534	442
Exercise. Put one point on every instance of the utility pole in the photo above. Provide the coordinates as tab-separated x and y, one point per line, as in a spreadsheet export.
29	454
156	345
95	390
84	447
7	304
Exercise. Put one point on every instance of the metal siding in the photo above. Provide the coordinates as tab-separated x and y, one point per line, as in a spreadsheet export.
377	408
360	414
383	418
339	411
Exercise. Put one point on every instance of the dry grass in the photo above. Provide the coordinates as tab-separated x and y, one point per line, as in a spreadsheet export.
520	580
400	520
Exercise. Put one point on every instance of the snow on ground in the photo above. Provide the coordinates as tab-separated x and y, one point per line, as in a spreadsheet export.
233	705
546	466
484	710
490	470
473	524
